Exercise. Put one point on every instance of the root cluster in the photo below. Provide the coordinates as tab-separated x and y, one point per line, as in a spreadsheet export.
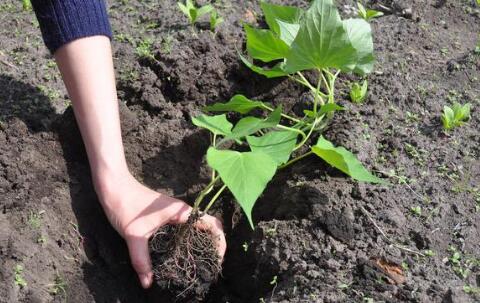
184	259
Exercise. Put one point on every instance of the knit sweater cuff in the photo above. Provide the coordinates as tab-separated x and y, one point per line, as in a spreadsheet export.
62	21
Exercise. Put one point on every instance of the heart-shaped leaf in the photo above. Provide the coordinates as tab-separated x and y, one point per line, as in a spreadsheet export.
359	33
288	31
273	13
343	160
245	174
250	125
238	103
264	45
321	42
219	125
274	72
277	144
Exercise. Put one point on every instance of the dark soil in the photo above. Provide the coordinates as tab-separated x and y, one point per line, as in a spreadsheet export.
320	236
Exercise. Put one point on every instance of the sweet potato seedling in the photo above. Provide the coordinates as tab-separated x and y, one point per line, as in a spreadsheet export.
245	156
358	92
27	5
215	20
315	40
455	116
367	14
192	12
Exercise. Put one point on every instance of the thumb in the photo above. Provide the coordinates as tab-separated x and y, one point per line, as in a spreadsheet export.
140	258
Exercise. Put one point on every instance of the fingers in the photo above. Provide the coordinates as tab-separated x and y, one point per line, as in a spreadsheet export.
140	258
214	226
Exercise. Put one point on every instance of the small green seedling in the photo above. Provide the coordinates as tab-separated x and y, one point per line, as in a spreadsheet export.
416	210
144	49
35	219
367	14
358	92
19	280
27	5
244	157
215	20
59	286
469	289
429	253
455	116
274	280
192	12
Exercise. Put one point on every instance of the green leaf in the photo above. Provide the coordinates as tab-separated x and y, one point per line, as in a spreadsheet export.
461	112
277	144
204	10
343	160
245	174
274	13
362	12
238	103
184	9
190	4
215	20
288	31
218	125
359	93
359	33
250	125
371	13
321	42
329	107
262	44
325	109
274	72
193	15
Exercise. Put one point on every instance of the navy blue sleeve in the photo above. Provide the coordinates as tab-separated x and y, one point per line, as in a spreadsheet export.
62	21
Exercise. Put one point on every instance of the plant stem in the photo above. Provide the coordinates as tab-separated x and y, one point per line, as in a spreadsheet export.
283	115
295	159
214	198
204	192
214	142
317	120
306	83
315	99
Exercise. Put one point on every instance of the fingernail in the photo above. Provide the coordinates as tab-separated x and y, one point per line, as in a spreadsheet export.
145	280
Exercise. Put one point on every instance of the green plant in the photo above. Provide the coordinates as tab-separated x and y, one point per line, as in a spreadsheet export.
469	289
317	40
455	116
215	20
27	5
18	278
358	92
416	210
192	12
367	14
59	286
35	219
144	49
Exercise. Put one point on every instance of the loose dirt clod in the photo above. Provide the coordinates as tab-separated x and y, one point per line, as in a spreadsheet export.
185	260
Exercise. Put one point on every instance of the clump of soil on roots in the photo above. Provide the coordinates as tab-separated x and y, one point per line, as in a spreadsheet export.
185	260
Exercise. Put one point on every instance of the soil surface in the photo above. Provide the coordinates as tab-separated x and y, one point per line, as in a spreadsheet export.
320	236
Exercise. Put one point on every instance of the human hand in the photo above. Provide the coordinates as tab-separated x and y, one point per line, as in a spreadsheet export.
137	212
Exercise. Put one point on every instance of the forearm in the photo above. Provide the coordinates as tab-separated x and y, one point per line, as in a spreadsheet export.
87	70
